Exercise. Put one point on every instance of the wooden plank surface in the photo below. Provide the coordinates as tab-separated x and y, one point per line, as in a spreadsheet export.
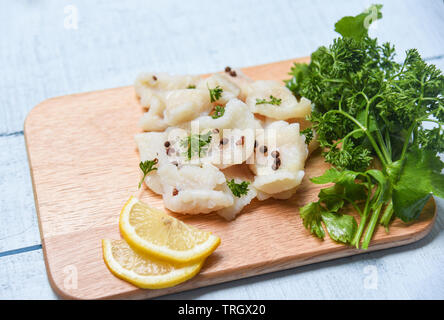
39	59
84	166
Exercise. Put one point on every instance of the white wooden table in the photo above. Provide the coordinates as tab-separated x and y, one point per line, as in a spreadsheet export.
45	52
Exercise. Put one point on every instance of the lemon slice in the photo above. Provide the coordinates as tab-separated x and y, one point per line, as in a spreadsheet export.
142	270
154	232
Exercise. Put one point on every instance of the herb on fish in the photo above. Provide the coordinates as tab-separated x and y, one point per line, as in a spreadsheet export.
215	93
218	112
146	167
273	100
238	189
196	144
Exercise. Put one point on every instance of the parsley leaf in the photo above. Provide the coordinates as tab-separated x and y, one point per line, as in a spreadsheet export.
340	227
146	167
238	189
215	93
196	144
308	134
273	100
191	86
311	218
419	179
357	27
218	112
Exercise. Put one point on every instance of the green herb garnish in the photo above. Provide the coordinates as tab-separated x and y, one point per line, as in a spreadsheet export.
218	112
273	100
238	189
309	134
215	93
146	167
196	144
369	108
191	86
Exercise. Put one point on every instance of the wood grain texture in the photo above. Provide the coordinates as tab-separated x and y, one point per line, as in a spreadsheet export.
84	164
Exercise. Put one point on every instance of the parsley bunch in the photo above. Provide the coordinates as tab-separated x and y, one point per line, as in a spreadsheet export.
368	118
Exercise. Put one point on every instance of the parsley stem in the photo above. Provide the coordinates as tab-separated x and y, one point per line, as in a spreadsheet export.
346	137
407	140
357	237
369	136
358	234
346	199
387	215
387	155
371	227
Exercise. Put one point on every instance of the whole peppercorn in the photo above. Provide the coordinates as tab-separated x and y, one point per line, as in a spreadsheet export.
275	154
263	149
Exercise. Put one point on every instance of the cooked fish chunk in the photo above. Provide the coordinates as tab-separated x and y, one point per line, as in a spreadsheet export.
231	147
193	189
160	84
153	120
153	91
230	89
150	145
241	80
184	105
239	174
284	195
279	159
236	115
271	99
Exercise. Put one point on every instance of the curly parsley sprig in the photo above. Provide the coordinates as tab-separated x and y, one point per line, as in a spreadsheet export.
146	167
215	93
238	189
219	111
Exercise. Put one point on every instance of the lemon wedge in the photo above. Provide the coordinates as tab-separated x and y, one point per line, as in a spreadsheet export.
142	270
152	231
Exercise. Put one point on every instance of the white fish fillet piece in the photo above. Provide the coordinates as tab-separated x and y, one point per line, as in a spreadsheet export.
230	89
284	138
288	108
239	173
153	89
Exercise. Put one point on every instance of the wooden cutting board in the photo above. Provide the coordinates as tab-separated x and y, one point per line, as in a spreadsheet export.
84	166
